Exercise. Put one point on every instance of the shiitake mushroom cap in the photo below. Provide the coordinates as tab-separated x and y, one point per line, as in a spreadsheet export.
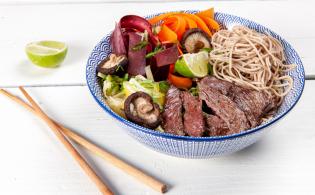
195	39
113	64
140	108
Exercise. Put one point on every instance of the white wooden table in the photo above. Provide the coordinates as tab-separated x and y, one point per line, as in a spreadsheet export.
34	162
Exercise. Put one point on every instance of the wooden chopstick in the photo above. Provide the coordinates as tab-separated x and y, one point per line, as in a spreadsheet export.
114	160
136	173
76	155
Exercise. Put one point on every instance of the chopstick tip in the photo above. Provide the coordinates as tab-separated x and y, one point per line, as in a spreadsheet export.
3	91
164	189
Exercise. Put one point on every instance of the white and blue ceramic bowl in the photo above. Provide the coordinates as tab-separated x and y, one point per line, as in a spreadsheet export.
203	147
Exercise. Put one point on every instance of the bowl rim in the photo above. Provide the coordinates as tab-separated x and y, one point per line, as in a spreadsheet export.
201	139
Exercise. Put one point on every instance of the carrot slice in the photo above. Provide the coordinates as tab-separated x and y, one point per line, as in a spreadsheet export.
160	17
171	22
207	13
214	25
179	49
171	69
177	24
190	23
166	34
200	23
180	82
167	42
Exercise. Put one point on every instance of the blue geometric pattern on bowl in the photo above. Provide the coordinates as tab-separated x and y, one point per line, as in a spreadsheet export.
202	147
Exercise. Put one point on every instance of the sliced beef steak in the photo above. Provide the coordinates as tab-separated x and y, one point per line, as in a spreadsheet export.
193	117
172	115
224	108
220	85
233	109
216	126
255	104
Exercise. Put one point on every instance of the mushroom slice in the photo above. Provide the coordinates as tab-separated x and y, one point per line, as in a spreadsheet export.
113	64
195	39
139	108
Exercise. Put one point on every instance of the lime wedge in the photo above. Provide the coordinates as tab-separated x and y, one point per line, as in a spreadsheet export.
48	54
193	65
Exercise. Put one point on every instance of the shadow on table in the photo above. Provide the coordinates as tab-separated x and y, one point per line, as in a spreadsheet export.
27	69
77	53
254	149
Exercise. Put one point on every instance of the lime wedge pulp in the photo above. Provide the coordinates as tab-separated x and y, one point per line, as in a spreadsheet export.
193	65
48	54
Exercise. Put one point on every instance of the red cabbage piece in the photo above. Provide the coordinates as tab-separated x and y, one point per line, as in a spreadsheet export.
136	59
167	56
149	49
159	73
140	24
161	61
117	41
125	33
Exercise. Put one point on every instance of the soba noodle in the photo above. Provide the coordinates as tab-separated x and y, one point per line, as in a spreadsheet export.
251	59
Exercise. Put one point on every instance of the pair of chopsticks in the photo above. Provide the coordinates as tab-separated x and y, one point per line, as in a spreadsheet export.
63	133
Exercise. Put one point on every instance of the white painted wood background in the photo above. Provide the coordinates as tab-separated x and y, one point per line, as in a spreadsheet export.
32	160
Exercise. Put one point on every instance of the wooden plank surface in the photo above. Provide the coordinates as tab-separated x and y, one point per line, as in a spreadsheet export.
82	25
32	2
33	162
